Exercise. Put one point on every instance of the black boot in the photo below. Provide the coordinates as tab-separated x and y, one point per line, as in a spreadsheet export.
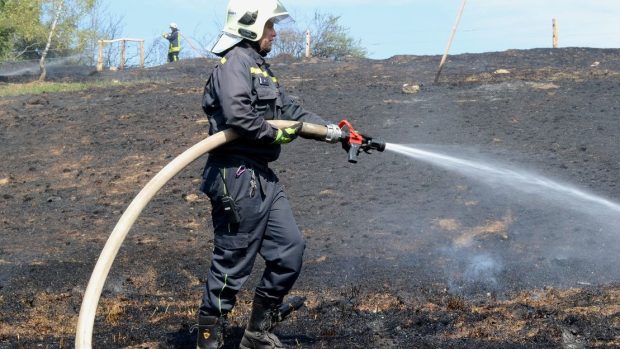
210	332
258	333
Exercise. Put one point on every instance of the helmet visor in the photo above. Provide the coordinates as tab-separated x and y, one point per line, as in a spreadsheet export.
224	42
281	15
282	19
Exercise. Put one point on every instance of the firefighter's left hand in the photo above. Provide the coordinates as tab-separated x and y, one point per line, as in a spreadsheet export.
288	134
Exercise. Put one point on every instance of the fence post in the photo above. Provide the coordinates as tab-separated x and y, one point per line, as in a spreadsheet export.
100	56
141	53
556	36
122	63
308	54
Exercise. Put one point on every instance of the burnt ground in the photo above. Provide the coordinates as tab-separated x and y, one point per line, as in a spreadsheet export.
400	253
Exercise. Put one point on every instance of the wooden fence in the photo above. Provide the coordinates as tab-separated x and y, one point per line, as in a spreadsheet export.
123	42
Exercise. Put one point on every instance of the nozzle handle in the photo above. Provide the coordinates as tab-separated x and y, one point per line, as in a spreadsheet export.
354	151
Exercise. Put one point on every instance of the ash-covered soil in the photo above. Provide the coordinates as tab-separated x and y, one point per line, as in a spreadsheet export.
400	253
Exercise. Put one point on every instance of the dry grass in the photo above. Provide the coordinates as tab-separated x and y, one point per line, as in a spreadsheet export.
534	313
469	235
498	228
524	316
10	90
46	316
113	313
380	302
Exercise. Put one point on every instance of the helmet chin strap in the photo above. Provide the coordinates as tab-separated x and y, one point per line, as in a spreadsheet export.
256	46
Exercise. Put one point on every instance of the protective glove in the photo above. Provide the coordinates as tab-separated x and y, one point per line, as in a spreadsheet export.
288	134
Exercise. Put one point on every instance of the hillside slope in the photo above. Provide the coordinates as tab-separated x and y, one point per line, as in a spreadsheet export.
400	253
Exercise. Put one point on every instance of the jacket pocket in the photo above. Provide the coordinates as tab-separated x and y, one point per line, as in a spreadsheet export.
266	92
230	236
226	235
265	103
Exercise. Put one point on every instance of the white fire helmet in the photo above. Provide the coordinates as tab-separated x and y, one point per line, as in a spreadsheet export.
173	25
246	19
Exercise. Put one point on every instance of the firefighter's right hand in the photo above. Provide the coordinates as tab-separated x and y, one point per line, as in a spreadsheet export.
288	134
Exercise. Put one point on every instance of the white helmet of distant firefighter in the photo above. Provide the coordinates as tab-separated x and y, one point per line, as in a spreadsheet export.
246	19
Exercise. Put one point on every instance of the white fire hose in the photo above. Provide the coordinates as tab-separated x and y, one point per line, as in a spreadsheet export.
84	331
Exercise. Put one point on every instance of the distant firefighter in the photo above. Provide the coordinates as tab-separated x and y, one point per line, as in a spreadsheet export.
175	42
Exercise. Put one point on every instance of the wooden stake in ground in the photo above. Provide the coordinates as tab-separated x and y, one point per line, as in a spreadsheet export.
556	36
100	56
123	47
445	55
308	44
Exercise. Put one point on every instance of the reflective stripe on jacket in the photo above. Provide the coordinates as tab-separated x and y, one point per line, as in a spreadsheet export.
242	93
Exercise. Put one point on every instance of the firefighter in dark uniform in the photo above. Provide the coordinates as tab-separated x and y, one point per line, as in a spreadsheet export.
174	38
250	211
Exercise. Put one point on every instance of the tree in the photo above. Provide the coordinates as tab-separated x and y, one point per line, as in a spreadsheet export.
102	24
44	29
330	39
64	14
58	6
21	31
58	28
290	41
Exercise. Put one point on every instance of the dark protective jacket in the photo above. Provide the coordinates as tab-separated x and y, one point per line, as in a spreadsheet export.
175	41
242	93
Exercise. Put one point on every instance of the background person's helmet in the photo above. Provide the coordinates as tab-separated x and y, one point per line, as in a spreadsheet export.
245	19
173	25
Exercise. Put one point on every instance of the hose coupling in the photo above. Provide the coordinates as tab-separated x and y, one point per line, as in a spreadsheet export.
334	134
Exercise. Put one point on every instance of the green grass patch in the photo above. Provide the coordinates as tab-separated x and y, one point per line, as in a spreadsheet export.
55	87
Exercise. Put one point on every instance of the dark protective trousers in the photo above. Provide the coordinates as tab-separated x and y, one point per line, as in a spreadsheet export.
267	227
173	56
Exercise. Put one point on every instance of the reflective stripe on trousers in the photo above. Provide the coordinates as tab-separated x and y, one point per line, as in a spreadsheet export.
267	228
